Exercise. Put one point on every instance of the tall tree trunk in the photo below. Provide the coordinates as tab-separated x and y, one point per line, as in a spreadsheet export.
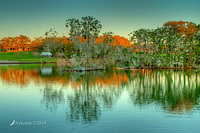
66	57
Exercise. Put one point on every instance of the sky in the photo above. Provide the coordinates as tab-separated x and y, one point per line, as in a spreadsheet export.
34	17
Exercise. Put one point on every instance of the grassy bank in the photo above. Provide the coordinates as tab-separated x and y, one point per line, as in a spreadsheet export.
22	57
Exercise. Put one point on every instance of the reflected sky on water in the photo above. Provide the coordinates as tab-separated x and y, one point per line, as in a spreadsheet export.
100	101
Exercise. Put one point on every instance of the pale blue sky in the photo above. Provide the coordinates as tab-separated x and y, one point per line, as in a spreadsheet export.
34	17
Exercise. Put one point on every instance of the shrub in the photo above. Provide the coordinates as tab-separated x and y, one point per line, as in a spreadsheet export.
61	62
59	55
36	54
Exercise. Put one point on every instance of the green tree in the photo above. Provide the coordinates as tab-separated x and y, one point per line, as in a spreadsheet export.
87	28
53	43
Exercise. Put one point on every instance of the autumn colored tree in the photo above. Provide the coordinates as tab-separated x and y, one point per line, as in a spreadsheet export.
115	40
7	43
37	43
22	42
191	29
19	43
120	41
107	38
184	28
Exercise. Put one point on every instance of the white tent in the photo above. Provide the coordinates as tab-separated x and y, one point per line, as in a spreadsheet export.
46	54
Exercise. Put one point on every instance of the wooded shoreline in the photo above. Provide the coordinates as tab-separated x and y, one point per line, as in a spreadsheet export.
156	68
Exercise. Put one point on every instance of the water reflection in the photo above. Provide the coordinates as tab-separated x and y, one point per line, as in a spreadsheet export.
51	98
176	91
89	98
86	95
19	75
46	70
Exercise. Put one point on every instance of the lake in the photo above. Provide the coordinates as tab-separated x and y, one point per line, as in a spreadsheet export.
44	99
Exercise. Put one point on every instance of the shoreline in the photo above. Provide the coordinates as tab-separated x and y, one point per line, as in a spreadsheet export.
121	68
18	62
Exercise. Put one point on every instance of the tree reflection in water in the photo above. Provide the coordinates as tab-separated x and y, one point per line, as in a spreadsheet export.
51	98
176	91
89	98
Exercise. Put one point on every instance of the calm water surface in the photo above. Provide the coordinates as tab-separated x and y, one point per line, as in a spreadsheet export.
35	98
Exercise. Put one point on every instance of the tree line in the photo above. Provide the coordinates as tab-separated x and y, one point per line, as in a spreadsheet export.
175	44
24	43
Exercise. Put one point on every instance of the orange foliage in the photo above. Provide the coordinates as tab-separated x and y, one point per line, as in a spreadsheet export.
20	43
190	30
104	38
23	43
120	41
40	41
65	40
183	28
115	40
37	42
